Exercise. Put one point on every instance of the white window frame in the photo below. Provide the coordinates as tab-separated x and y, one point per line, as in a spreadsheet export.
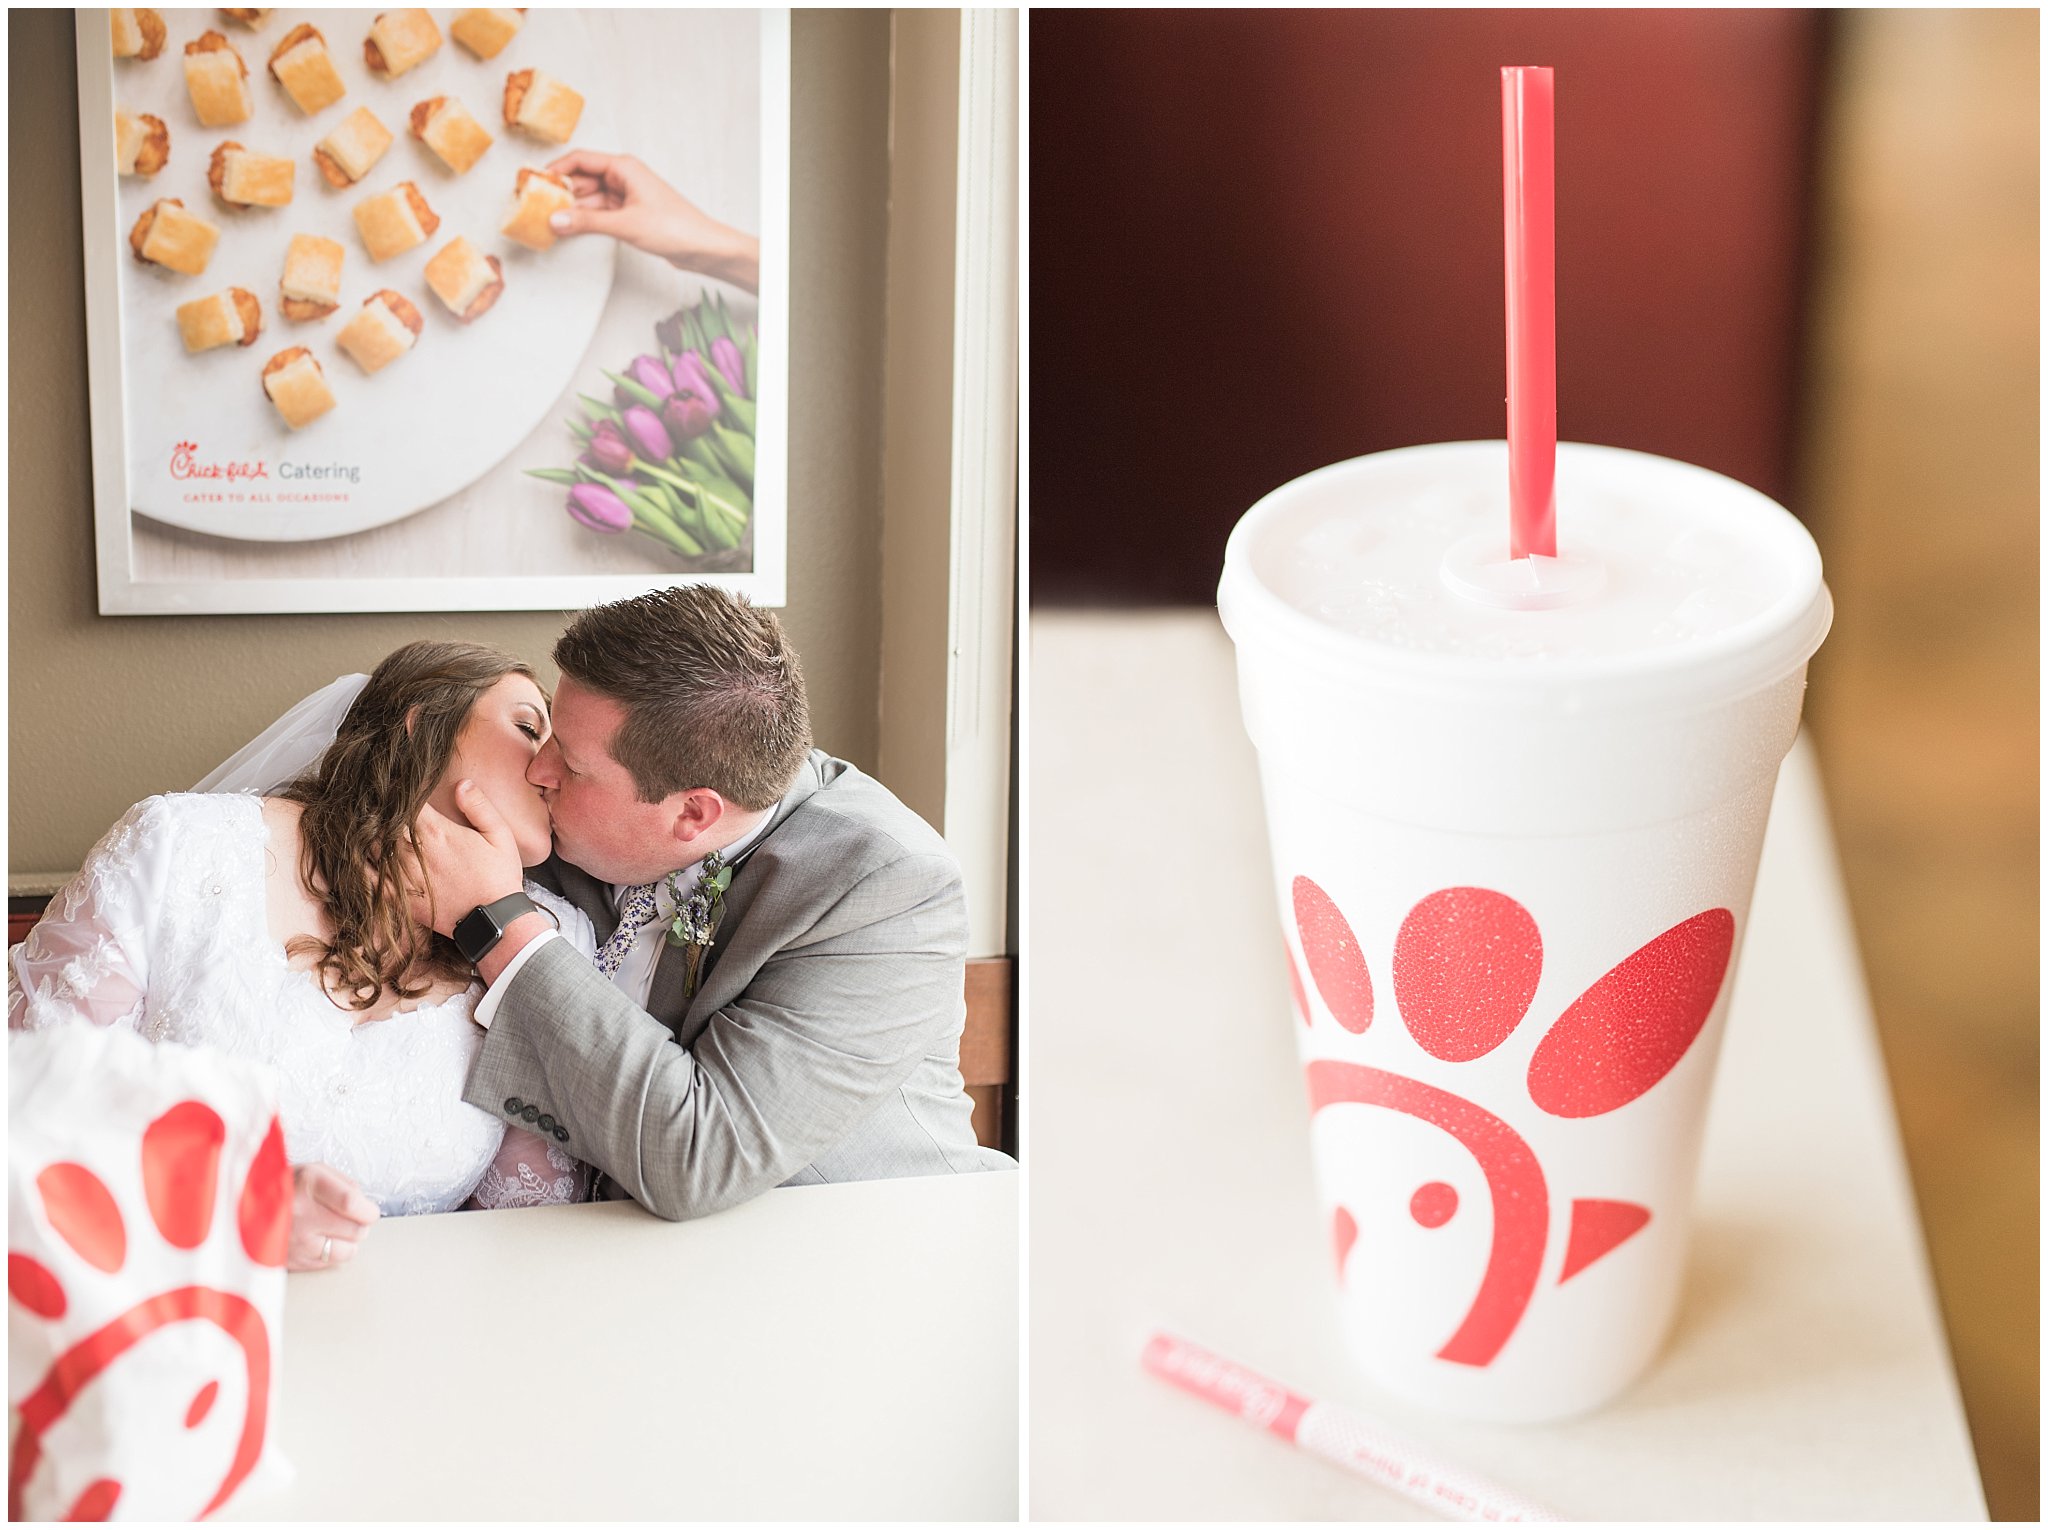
949	518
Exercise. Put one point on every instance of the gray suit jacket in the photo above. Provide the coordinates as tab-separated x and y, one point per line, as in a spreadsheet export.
823	1042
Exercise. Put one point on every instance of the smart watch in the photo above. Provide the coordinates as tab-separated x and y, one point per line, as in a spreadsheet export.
482	928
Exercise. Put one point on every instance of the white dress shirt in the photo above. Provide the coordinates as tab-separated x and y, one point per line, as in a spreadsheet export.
635	977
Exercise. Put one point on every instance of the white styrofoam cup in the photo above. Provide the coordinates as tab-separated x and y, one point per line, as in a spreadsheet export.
1514	880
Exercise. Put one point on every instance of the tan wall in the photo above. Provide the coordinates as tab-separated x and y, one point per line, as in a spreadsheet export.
917	431
103	711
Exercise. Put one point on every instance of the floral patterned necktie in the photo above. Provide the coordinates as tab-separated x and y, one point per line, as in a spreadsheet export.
635	914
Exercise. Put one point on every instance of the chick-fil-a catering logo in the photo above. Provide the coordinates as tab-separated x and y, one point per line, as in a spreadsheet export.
186	464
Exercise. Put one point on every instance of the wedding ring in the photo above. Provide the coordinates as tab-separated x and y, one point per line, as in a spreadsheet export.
326	1248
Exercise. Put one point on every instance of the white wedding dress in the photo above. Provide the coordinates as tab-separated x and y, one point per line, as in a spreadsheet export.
164	930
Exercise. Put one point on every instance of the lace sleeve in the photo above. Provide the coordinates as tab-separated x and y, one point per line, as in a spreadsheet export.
530	1171
88	956
573	922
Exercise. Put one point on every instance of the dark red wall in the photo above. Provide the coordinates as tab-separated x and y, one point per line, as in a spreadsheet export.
1266	240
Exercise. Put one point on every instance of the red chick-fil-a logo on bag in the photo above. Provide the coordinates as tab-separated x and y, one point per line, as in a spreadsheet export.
185	463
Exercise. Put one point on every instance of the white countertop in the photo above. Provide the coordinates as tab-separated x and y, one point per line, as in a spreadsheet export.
828	1351
1807	1376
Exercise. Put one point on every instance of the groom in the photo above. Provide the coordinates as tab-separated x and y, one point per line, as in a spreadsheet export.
777	997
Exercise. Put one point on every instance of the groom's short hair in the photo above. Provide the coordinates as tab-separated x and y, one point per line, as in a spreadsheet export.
713	693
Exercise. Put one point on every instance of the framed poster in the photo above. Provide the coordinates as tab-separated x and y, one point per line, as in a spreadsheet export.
341	357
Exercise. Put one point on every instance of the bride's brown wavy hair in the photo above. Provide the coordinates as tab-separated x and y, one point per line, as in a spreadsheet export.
358	806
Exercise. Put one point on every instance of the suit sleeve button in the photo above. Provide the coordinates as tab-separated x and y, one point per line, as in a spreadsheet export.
513	1104
531	1113
547	1123
561	1134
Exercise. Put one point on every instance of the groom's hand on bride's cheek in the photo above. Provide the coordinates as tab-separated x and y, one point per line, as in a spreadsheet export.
329	1216
466	867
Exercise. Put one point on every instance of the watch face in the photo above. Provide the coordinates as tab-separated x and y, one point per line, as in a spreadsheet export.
481	928
476	933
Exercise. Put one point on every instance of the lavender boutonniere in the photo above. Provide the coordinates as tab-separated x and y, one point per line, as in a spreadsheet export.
696	917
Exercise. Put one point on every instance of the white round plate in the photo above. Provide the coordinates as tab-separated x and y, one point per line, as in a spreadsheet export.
433	421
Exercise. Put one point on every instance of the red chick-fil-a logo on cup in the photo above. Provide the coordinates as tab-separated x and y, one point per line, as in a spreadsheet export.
185	463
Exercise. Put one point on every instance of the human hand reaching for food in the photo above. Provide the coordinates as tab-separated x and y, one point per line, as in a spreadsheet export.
618	195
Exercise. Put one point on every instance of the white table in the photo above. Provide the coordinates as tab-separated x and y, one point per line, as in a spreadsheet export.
1807	1377
823	1352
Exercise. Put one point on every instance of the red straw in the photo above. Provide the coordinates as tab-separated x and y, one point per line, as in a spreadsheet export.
1528	202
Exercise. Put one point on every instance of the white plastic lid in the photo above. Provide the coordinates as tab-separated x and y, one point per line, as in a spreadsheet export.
1676	587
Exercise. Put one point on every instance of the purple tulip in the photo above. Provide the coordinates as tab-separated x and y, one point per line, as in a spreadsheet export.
651	375
726	356
598	508
688	414
608	451
643	430
690	374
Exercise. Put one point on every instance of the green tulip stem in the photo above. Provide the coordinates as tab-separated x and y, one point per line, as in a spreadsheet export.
641	465
668	534
644	395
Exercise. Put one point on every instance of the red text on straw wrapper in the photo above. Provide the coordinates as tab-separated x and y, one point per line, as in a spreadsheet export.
1394	1466
1456	1497
1388	1468
1255	1400
1329	1432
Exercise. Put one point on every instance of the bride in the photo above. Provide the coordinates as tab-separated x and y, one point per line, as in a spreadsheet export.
283	928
